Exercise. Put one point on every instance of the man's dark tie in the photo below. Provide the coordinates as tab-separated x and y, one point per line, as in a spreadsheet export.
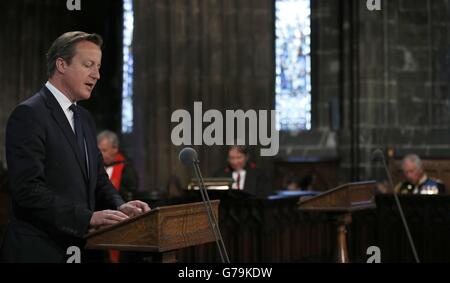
79	135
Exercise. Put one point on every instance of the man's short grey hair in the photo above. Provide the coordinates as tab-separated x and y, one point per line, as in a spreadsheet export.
109	135
414	158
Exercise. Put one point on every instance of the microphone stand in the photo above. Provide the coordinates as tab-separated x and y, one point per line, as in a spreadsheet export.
399	206
213	223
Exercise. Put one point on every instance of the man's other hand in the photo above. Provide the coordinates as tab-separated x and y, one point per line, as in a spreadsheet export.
105	218
134	207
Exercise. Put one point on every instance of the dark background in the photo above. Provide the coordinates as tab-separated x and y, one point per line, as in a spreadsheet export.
380	79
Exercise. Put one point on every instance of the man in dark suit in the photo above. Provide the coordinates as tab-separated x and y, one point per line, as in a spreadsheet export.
247	177
59	187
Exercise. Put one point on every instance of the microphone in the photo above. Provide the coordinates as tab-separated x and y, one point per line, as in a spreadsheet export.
188	156
379	152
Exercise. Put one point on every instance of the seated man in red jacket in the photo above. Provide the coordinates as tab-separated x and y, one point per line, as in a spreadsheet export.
120	171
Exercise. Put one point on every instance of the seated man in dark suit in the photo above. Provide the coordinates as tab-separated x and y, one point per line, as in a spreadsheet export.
59	187
247	177
417	181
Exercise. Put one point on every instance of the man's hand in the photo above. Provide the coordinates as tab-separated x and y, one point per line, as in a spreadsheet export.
106	217
134	207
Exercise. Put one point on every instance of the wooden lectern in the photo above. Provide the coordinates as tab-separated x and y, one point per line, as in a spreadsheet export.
161	231
342	202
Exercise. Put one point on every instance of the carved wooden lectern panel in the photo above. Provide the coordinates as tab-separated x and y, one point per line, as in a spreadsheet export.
159	230
346	198
342	202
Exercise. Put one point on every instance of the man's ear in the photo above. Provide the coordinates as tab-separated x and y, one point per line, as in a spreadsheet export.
61	65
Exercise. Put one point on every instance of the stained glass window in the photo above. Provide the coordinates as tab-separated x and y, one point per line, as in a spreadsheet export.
293	64
127	72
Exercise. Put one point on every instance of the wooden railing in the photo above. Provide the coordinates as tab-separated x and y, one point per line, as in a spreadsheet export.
273	230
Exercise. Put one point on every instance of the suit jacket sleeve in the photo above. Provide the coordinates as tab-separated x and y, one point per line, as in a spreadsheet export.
26	156
106	196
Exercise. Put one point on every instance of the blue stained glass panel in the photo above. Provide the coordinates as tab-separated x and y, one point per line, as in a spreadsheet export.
293	64
127	71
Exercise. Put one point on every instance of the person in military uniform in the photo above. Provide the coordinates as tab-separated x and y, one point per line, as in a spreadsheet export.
417	181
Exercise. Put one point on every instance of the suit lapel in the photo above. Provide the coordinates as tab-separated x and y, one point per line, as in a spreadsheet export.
61	119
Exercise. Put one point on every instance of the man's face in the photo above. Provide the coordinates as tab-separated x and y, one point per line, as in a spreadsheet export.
412	173
80	76
236	159
108	151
